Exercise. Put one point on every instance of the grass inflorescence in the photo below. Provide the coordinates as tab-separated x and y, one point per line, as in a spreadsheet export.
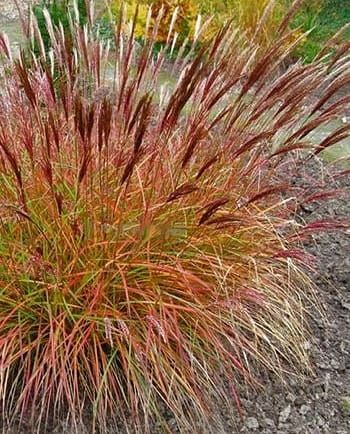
149	252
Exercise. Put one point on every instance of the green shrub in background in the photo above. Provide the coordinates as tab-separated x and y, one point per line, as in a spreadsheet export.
58	11
322	18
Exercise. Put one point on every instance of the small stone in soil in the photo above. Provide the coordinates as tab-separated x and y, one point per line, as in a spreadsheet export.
335	364
304	409
269	422
290	397
252	423
284	415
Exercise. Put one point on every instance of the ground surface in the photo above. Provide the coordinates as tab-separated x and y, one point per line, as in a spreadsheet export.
8	8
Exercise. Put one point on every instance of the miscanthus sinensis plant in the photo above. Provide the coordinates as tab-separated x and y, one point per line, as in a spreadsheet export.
150	257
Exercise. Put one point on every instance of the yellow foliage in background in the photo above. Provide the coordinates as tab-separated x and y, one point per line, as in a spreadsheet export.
246	13
186	16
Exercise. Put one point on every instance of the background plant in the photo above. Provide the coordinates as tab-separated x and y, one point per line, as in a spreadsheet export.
322	19
150	253
58	11
319	20
246	16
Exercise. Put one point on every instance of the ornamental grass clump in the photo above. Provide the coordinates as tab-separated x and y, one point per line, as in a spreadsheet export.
150	257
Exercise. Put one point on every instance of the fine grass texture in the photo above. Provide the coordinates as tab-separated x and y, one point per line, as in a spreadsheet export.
150	257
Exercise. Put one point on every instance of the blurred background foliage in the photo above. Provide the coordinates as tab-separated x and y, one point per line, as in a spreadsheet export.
323	18
246	13
319	18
